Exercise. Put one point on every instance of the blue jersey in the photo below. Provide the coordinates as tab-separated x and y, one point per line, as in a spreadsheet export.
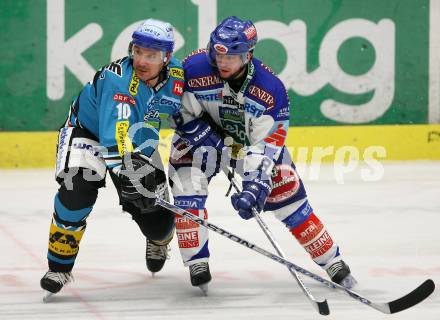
256	117
123	112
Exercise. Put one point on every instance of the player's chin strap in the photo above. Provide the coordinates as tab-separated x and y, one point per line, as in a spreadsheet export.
163	75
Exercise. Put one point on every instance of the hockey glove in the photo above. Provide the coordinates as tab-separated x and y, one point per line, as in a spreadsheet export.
199	141
138	183
254	195
198	133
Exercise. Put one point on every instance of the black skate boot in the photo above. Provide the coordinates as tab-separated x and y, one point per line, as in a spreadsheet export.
53	282
155	256
200	275
339	272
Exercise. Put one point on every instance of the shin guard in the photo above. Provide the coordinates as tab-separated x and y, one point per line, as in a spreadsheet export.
312	234
192	238
63	245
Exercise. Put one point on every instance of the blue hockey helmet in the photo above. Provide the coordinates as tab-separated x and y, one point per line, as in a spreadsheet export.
154	34
232	36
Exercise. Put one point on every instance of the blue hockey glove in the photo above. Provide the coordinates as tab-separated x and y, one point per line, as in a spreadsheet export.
199	139
198	133
254	195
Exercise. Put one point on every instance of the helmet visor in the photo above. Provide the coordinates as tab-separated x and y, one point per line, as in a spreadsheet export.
148	55
230	60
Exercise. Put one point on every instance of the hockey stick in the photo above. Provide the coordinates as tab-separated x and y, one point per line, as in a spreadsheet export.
320	306
414	297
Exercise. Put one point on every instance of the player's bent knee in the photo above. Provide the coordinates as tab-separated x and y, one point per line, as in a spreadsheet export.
80	194
157	224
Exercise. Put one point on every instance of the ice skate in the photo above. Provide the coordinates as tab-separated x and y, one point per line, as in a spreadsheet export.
53	282
200	276
339	272
155	256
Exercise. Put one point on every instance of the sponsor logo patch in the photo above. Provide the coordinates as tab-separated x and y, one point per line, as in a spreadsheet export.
230	101
320	245
186	204
124	98
263	95
278	137
283	113
204	81
62	146
230	114
250	32
184	223
64	242
285	184
308	230
176	73
209	96
253	110
122	139
188	239
178	88
85	146
221	48
134	84
167	101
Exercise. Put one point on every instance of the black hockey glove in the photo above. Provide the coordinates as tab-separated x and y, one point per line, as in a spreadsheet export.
138	183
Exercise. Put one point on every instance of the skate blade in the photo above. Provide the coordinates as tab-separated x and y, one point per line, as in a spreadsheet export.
48	296
204	288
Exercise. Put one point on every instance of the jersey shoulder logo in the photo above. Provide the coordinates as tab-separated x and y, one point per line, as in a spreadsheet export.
262	95
176	73
115	67
278	137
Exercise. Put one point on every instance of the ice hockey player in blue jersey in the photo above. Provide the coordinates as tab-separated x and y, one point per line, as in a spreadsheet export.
113	126
233	99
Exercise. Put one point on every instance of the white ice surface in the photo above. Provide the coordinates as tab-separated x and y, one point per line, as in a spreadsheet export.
388	231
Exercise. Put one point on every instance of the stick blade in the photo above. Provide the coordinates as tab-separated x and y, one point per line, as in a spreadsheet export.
414	297
323	307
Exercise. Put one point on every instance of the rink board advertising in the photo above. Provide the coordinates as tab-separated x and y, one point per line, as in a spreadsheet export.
343	62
